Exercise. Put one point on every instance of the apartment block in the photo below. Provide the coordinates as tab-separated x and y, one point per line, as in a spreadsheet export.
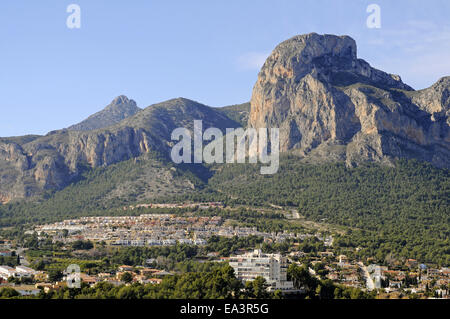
272	267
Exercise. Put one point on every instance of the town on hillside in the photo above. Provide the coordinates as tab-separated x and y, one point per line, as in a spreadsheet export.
39	265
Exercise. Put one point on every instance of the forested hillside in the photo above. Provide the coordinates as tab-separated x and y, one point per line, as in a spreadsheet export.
402	210
390	212
100	190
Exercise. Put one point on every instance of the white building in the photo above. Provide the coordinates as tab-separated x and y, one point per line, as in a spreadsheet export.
6	272
272	267
25	271
19	272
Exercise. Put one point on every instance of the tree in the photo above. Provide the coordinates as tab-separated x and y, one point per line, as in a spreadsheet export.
326	290
126	277
8	292
83	245
260	288
278	294
302	278
256	288
40	265
55	275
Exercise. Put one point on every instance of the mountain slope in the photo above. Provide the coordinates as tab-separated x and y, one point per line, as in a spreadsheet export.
239	113
120	108
101	189
330	104
53	161
400	210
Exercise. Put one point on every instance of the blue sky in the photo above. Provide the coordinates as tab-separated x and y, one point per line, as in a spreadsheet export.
207	50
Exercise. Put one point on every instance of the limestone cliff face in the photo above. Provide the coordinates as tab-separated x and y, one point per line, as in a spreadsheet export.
435	100
329	103
14	154
103	148
55	160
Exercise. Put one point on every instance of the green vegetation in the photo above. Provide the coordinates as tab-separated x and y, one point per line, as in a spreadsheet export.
126	277
238	113
400	210
323	289
168	255
263	221
7	293
91	194
388	212
180	258
217	283
226	246
11	261
80	244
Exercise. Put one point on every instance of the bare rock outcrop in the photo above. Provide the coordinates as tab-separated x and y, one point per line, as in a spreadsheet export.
53	161
119	109
315	89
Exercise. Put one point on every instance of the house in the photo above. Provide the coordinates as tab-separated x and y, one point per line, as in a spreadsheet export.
395	284
6	272
412	263
200	241
148	271
433	272
41	276
333	276
150	261
6	244
49	286
25	271
125	268
297	254
5	253
90	280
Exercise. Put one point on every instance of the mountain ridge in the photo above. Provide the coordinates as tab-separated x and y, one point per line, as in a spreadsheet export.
53	161
328	104
119	109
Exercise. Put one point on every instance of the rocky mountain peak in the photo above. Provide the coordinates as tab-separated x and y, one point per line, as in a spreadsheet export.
329	103
303	51
119	109
123	100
